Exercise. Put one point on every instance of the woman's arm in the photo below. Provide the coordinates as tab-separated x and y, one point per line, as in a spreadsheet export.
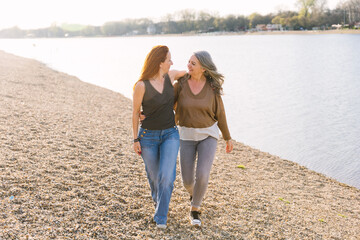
137	100
175	75
222	123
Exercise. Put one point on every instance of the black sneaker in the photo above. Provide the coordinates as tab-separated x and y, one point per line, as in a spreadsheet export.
195	218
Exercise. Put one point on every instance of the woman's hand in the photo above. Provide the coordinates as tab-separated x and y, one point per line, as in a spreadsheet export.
229	146
142	116
137	148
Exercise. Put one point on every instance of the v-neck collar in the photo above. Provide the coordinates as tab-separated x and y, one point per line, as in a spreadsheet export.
199	94
161	93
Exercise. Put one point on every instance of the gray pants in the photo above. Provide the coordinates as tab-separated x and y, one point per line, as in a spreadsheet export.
196	180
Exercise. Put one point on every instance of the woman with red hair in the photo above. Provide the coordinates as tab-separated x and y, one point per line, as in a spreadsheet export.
157	141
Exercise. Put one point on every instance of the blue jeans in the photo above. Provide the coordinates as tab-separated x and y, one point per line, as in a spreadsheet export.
159	149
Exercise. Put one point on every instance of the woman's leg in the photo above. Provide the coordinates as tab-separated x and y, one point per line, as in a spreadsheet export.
169	149
150	155
206	153
187	164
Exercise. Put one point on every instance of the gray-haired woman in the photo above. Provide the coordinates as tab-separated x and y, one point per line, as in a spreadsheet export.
199	114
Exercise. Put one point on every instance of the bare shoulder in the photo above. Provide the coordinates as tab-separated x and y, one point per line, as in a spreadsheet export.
139	89
140	85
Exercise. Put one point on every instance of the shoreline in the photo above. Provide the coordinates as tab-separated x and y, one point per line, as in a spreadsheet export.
287	32
292	32
342	31
68	170
305	32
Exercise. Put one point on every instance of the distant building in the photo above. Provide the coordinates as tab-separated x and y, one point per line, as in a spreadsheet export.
336	26
357	25
269	27
261	27
274	27
151	29
30	35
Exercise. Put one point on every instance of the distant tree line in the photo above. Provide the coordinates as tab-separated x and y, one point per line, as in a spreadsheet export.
311	14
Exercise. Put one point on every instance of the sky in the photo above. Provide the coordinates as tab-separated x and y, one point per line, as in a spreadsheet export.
29	14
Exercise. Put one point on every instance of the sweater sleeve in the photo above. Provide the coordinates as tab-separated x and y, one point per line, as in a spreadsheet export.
176	91
176	97
221	117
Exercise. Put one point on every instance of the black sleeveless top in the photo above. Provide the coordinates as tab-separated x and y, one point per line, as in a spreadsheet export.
158	108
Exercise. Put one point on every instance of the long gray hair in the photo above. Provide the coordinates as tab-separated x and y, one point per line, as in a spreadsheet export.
215	78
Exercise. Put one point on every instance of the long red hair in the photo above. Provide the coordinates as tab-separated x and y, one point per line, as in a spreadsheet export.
152	62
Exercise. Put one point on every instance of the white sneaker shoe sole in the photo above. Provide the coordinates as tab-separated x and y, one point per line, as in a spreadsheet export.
161	226
195	222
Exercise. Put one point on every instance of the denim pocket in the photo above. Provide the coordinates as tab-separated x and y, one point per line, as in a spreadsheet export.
148	138
142	133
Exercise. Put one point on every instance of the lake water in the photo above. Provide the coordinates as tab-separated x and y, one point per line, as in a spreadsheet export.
295	96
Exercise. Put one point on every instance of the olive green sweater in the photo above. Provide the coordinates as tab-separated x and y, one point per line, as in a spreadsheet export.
201	110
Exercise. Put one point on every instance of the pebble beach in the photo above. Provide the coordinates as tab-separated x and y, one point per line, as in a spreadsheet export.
68	171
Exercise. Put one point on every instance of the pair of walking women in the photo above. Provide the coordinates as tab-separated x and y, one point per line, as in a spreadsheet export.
199	113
